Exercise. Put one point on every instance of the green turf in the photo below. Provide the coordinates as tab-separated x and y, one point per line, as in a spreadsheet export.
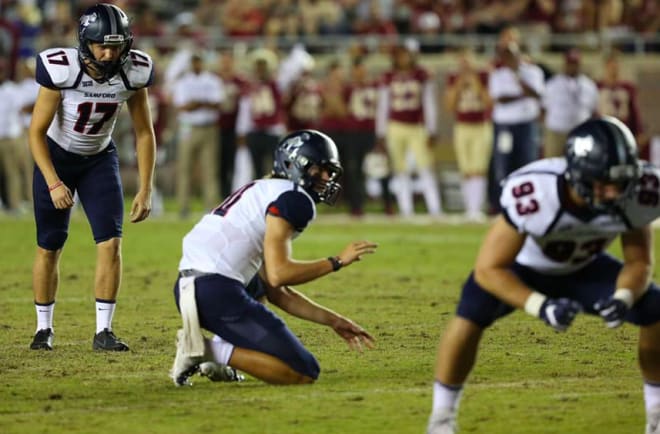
529	379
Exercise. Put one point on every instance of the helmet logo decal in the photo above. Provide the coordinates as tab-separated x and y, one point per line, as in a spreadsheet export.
86	20
583	145
292	146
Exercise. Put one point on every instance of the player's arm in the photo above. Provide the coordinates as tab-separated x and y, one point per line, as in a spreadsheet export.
297	304
637	261
45	107
145	144
492	272
496	255
633	279
281	269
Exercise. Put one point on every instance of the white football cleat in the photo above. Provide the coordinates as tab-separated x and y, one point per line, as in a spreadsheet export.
443	422
653	422
218	372
184	366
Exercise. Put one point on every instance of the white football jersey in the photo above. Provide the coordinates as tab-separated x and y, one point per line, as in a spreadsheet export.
230	240
561	240
89	109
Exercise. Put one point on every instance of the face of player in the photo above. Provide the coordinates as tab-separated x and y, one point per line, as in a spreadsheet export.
226	64
603	195
359	73
572	69
606	192
106	53
261	69
402	58
321	173
321	176
197	65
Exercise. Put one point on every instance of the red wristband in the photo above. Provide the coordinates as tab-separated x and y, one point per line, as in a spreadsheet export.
56	185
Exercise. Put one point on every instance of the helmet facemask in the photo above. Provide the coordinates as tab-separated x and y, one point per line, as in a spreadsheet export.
323	190
107	69
623	176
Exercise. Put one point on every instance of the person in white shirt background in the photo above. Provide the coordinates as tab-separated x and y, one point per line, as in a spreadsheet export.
570	98
197	96
11	132
516	87
28	89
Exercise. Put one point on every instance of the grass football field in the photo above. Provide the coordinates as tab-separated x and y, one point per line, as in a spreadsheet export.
528	379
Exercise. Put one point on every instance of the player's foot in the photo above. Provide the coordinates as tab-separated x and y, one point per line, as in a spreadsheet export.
184	366
43	340
219	372
107	341
653	421
443	422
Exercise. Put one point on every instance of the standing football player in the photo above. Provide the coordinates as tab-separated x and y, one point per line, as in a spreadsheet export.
545	254
249	237
406	122
82	91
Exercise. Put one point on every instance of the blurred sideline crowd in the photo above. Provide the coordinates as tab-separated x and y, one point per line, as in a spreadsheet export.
220	103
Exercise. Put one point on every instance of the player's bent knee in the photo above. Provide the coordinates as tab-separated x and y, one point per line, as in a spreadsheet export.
52	240
109	243
310	367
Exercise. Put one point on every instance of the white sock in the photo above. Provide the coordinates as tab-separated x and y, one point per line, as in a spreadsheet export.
446	397
431	192
475	194
221	349
104	312
404	194
44	315
465	192
652	396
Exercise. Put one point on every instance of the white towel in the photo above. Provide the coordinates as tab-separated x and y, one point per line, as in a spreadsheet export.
193	340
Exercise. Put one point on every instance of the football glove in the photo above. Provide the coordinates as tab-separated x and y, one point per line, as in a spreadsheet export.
559	313
613	309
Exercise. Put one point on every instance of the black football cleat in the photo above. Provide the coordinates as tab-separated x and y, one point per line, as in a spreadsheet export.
43	340
218	372
107	341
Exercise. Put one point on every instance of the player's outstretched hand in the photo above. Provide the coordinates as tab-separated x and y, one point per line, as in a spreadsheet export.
355	336
354	251
612	310
559	313
141	207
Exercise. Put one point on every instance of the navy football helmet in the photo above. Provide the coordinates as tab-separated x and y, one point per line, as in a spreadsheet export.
602	149
104	24
298	152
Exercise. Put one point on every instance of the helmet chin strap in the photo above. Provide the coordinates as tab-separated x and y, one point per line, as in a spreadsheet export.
105	70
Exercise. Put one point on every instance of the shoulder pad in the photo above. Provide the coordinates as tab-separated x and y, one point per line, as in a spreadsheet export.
139	69
643	207
530	200
60	66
